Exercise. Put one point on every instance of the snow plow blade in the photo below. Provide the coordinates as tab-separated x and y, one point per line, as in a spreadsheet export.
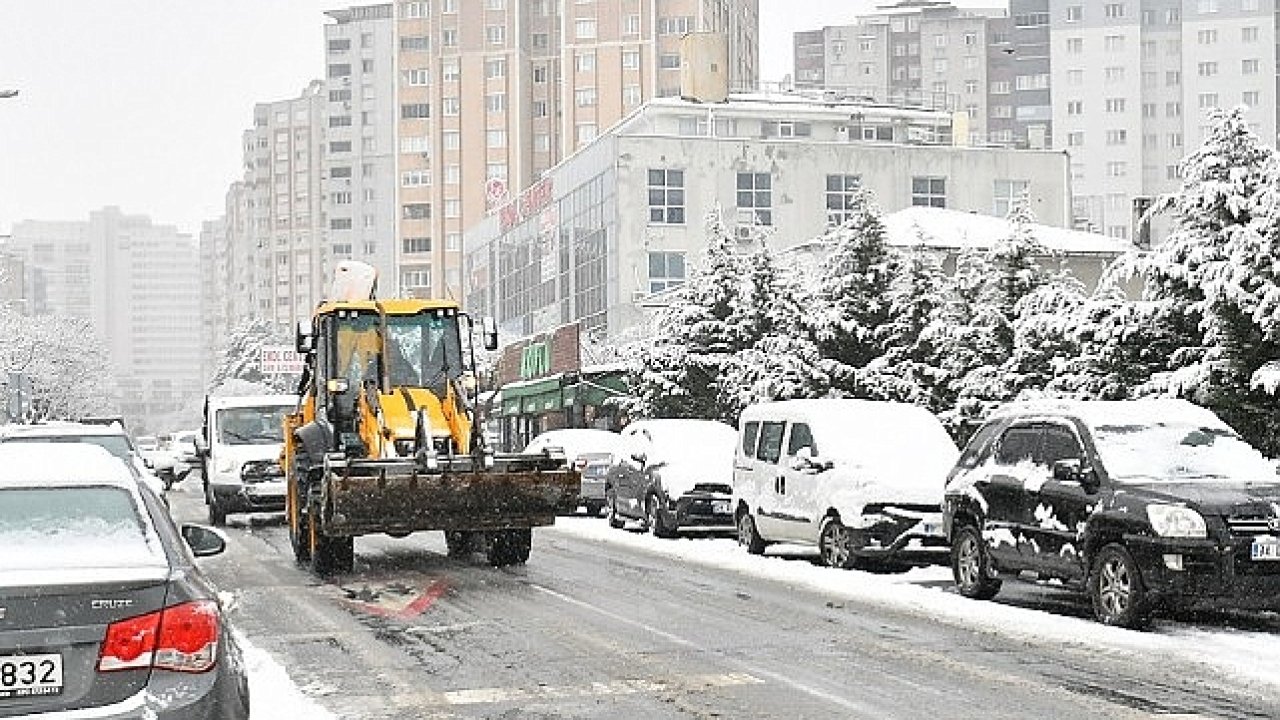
406	495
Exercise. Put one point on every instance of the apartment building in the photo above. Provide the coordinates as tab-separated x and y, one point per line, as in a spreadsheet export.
624	217
923	52
491	94
277	257
360	122
1132	84
1030	92
137	283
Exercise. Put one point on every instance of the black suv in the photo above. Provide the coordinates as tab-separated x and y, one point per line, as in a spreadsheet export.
1146	504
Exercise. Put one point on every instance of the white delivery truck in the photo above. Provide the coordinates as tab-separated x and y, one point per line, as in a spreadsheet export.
239	448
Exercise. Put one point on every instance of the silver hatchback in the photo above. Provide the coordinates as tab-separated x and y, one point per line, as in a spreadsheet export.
103	612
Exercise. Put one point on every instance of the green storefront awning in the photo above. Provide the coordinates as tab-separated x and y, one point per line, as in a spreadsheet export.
595	390
532	396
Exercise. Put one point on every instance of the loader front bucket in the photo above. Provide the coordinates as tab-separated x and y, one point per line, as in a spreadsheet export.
405	495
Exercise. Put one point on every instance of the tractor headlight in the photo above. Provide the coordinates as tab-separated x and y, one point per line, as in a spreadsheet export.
1176	521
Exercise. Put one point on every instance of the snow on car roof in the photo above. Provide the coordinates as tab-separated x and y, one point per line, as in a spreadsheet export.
42	465
1100	413
57	428
575	441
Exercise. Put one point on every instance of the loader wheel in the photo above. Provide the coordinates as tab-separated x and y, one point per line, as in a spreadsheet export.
510	547
330	555
299	536
615	520
459	542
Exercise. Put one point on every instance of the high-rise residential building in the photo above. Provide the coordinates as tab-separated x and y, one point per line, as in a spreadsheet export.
440	111
926	53
134	281
281	254
1029	93
361	112
213	294
1133	82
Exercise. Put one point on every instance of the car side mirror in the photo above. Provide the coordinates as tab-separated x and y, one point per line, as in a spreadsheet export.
1074	470
203	541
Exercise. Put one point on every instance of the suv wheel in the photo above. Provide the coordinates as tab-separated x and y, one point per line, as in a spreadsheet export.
1115	586
217	513
833	544
653	516
748	537
615	520
971	566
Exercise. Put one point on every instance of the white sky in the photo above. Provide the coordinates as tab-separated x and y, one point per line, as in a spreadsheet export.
140	103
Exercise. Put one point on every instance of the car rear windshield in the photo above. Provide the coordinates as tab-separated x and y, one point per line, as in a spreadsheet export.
117	445
262	425
74	527
1177	453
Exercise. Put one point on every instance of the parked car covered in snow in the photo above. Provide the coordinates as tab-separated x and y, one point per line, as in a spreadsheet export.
590	452
106	614
861	480
1144	504
673	474
158	456
108	436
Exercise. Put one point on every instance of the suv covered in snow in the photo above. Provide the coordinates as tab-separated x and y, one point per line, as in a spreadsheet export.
1145	504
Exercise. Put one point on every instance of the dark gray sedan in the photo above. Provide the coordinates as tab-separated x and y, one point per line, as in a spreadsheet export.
103	612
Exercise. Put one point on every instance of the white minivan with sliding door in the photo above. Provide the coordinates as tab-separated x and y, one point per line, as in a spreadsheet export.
861	480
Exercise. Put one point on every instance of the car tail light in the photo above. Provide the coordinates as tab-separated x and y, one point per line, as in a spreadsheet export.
183	638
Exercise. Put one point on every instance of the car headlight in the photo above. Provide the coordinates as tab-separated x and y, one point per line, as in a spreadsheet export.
1176	521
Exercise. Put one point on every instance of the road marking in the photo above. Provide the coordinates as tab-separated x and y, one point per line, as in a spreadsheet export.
859	709
478	696
378	604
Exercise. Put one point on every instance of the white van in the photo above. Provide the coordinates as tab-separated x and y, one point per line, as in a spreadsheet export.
240	449
861	480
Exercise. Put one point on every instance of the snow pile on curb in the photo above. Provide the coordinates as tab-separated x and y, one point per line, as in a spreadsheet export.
272	694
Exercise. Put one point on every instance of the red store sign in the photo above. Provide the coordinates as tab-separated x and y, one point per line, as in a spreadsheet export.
527	205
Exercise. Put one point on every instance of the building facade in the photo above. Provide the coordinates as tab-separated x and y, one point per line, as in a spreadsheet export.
138	283
1133	82
622	219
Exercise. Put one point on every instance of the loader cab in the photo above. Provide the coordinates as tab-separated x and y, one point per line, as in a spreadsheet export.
358	348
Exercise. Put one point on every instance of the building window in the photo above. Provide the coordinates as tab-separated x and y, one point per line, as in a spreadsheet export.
340	171
415	278
1207	6
453	208
414	43
585	61
585	29
630	95
1249	67
449	71
1115	105
631	59
1208	100
415	178
416	245
1075	139
415	111
495	68
452	242
1207	69
416	211
496	138
585	132
841	191
1117	168
495	34
339	45
1249	34
416	76
666	270
1005	193
1117	137
585	97
1075	13
666	197
449	37
452	174
929	191
1114	74
415	144
340	224
452	139
495	102
1113	10
340	146
539	108
631	25
540	41
1075	107
450	106
339	70
754	200
495	170
669	61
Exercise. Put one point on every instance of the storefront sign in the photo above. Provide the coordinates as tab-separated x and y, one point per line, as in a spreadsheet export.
542	355
535	360
529	203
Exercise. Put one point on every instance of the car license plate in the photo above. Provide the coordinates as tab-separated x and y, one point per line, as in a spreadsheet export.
720	506
1268	549
28	675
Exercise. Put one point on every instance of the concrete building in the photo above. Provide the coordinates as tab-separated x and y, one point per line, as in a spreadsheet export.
360	110
927	53
137	282
1030	91
214	293
622	218
278	256
483	98
1132	83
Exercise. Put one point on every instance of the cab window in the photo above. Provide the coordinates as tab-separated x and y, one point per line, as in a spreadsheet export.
1059	443
1017	445
750	433
801	437
770	448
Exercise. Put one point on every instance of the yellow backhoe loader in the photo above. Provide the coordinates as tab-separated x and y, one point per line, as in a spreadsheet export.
385	439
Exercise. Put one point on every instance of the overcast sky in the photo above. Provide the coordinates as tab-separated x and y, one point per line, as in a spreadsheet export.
140	103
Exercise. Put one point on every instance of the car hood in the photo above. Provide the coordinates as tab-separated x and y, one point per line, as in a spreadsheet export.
920	483
1212	498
